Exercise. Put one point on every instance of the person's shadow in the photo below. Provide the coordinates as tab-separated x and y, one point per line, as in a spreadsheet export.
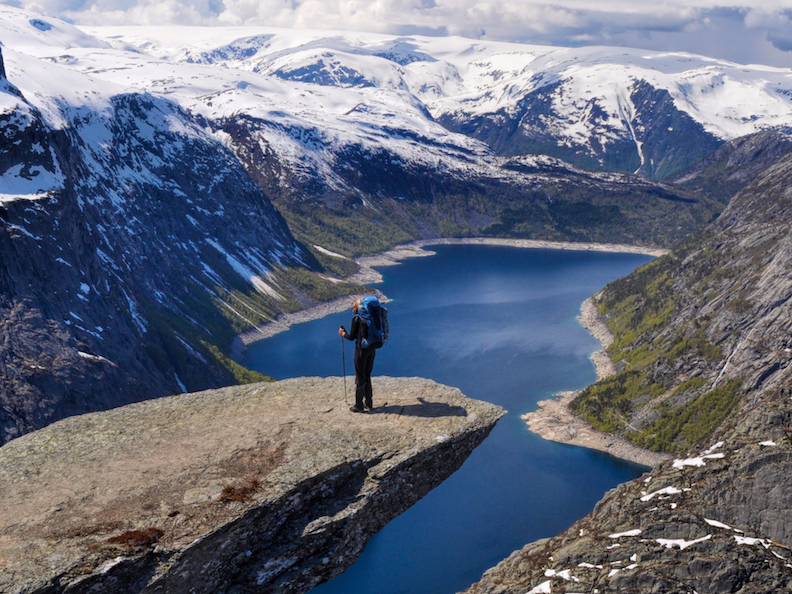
424	409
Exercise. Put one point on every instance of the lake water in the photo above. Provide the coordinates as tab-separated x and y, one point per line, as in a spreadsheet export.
499	323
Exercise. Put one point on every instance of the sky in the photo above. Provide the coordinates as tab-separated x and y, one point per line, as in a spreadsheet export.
743	31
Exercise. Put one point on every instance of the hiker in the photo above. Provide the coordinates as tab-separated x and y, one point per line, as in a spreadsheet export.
364	312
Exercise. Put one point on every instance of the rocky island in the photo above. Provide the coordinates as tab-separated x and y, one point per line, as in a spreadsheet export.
270	487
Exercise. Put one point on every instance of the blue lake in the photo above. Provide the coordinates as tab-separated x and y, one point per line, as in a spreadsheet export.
499	323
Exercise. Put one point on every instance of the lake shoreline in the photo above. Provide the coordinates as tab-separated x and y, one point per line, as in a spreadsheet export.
555	422
552	420
416	249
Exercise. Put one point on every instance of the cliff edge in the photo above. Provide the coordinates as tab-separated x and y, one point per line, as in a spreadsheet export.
267	487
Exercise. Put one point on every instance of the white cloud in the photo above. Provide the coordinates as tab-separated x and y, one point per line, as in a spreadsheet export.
776	23
743	31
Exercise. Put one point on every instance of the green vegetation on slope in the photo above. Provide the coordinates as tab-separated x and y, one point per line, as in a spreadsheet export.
659	399
195	344
678	428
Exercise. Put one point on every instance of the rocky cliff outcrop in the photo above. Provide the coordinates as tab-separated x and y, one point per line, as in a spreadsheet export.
727	170
130	233
270	487
716	522
704	357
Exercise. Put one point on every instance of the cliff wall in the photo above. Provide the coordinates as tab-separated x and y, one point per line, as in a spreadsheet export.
270	487
704	365
716	521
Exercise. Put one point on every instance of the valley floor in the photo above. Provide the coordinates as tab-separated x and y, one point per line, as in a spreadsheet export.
553	420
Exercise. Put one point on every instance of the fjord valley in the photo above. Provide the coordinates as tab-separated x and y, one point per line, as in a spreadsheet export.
178	186
165	189
701	346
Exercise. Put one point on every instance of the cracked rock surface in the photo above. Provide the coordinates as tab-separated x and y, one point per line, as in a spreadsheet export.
266	487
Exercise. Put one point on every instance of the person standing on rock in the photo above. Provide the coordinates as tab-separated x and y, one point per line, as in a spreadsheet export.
366	344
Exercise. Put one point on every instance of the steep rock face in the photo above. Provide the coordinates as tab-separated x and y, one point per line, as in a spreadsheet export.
715	523
270	487
702	339
726	171
698	329
650	135
125	231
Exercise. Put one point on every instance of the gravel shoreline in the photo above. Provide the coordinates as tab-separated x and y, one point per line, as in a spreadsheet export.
555	422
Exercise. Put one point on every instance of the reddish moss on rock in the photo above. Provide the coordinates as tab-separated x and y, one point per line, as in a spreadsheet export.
243	493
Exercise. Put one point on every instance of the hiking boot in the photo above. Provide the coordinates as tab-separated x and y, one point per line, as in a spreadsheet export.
356	409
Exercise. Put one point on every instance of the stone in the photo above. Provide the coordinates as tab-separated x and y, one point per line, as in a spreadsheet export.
265	487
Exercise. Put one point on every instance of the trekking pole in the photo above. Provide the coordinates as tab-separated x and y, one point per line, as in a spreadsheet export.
343	366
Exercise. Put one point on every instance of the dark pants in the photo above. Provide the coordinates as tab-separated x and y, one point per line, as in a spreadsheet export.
364	363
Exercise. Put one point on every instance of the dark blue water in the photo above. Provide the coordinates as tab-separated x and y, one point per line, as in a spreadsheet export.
499	323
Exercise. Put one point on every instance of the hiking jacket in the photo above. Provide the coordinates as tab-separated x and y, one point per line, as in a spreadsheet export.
357	331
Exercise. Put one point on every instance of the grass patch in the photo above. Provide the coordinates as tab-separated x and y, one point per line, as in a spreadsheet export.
241	374
317	287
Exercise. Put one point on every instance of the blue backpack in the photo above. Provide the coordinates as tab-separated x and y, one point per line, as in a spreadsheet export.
376	319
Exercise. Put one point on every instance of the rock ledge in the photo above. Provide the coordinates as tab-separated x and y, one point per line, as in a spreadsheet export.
267	487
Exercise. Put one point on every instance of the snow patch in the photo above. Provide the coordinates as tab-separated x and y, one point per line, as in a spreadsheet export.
565	575
663	491
717	524
698	462
319	248
680	542
96	358
747	540
634	532
712	448
246	273
543	588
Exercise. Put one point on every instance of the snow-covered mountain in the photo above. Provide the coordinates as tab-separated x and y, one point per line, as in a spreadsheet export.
147	176
616	108
125	232
328	120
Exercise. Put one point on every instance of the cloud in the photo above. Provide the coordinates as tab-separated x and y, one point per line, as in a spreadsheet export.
747	31
776	23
